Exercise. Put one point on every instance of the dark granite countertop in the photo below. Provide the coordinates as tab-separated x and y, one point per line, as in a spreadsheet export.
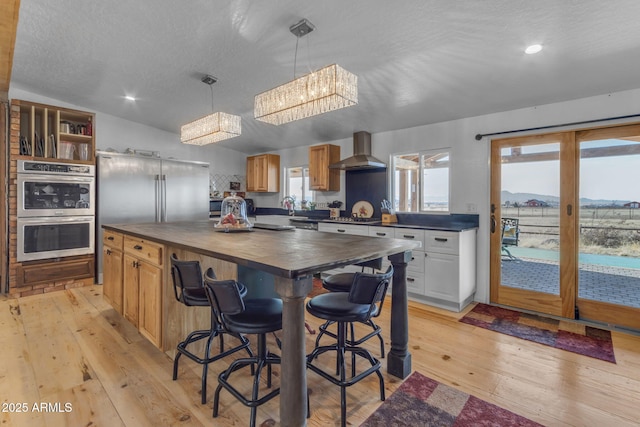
440	222
452	227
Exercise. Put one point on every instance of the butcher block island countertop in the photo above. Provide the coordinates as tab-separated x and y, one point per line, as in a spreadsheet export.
292	257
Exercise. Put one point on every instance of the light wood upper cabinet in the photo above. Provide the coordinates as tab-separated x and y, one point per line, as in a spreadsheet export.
321	178
263	173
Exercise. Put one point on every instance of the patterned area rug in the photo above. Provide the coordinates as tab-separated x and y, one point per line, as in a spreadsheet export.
570	336
421	401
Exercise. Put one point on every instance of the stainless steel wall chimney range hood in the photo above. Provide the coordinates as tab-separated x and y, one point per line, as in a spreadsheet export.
362	158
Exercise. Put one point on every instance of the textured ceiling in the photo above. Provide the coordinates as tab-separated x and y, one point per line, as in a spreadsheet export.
418	61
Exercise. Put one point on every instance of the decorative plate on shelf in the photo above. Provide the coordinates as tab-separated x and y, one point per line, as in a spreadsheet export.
362	209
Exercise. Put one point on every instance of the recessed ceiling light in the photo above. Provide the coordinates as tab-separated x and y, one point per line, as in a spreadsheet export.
534	48
130	98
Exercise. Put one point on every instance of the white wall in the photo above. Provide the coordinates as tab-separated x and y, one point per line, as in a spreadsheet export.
119	134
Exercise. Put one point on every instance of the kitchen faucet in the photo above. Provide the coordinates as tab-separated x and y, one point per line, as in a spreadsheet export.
289	202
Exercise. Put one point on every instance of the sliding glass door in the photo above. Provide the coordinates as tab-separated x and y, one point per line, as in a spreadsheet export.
565	224
529	214
609	226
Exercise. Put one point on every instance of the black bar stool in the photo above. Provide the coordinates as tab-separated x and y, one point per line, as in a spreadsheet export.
188	288
358	305
342	282
252	316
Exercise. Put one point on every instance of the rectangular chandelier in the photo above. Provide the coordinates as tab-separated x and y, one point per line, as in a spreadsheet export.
210	129
321	91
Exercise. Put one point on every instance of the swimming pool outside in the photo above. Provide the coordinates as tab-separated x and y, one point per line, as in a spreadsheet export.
548	255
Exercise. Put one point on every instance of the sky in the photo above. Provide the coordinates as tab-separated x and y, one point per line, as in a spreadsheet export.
607	178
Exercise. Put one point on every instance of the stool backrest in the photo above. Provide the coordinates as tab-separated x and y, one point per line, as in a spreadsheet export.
224	297
370	288
186	275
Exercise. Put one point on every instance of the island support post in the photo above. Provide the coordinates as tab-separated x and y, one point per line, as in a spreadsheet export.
293	385
399	358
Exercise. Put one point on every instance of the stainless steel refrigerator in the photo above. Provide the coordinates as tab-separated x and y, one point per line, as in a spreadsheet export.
133	189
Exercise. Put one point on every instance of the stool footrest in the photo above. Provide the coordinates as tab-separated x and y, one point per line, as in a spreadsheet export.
375	364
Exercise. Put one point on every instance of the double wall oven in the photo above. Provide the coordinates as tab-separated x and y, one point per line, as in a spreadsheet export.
56	210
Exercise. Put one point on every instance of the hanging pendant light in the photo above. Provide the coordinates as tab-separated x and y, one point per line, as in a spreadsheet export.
213	128
327	89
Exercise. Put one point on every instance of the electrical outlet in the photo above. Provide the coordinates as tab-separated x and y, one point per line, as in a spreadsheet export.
472	208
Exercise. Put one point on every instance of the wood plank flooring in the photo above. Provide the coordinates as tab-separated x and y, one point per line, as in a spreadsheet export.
68	359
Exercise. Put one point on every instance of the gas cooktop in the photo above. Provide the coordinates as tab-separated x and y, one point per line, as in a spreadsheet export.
355	220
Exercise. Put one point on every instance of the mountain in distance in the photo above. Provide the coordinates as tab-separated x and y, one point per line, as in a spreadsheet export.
508	196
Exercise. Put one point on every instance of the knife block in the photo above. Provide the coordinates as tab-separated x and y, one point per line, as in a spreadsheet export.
389	219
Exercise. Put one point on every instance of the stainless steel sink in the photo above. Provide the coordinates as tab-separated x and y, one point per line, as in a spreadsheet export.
304	222
302	219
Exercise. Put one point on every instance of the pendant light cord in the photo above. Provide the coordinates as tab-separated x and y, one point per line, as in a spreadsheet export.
308	55
211	87
295	58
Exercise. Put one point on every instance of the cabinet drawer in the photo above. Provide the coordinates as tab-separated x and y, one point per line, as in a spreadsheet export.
380	231
63	270
415	283
113	239
358	230
410	234
444	242
144	249
416	265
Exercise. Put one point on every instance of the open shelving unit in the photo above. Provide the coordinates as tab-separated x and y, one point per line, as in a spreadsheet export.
55	133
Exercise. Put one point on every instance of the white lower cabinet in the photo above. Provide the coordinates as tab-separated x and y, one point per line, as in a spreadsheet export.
450	268
443	278
383	233
353	229
441	272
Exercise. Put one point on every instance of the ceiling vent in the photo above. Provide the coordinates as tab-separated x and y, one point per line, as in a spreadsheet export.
362	158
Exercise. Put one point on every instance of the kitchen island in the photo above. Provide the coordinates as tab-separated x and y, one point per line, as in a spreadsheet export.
292	257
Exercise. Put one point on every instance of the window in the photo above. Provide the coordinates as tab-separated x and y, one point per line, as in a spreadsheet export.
421	181
297	184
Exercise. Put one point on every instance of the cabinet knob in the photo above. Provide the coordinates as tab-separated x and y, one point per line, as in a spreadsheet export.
137	247
341	231
441	239
408	236
110	238
108	251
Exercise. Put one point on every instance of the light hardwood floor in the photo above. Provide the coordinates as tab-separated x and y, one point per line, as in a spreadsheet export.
71	348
